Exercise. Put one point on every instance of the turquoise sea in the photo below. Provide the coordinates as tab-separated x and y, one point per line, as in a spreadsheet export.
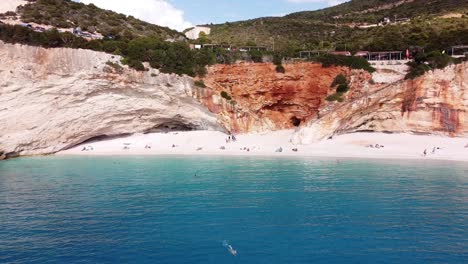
205	209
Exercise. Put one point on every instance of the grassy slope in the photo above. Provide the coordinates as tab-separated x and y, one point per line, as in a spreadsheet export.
310	30
66	13
362	10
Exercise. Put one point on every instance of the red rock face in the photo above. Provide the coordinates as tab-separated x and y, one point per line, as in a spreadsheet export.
436	103
263	99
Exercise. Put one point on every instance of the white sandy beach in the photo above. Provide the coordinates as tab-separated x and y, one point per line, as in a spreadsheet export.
395	146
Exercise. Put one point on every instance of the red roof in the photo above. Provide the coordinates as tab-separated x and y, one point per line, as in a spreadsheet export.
344	53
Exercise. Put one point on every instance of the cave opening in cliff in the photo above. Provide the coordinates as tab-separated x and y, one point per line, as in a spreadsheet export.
171	126
296	121
102	138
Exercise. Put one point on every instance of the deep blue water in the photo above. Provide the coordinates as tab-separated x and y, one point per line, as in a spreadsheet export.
156	210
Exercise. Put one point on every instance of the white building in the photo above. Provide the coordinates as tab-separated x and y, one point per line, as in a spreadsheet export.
194	33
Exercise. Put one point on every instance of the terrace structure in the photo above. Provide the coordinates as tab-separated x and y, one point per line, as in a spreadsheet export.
252	48
214	46
459	51
342	53
312	53
384	55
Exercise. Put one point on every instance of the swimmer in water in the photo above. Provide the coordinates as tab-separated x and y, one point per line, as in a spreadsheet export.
229	248
232	251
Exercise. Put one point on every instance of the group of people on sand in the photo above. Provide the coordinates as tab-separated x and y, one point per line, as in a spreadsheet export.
376	146
231	138
88	148
434	150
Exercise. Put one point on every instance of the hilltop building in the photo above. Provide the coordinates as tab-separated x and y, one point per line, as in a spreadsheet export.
194	33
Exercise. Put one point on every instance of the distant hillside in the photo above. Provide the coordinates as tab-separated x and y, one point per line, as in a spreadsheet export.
67	14
341	25
373	11
137	42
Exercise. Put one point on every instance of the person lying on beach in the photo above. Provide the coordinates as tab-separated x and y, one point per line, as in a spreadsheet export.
88	148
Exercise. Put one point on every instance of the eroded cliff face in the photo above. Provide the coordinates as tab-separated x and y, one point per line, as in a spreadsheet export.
435	103
264	100
52	99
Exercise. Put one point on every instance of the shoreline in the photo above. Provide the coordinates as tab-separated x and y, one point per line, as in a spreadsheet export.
209	143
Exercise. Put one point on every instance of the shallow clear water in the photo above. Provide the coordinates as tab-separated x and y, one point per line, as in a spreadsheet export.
156	210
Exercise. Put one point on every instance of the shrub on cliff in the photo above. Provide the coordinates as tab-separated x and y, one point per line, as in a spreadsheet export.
352	62
277	58
280	69
226	96
134	64
115	66
425	62
341	84
200	83
342	88
256	56
335	97
278	61
339	79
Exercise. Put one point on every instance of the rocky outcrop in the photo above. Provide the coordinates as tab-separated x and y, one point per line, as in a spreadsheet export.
52	99
262	99
435	103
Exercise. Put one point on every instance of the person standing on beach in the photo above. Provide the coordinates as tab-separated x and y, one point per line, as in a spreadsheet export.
425	153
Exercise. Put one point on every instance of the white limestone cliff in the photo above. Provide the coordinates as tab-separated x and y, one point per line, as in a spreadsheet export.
53	99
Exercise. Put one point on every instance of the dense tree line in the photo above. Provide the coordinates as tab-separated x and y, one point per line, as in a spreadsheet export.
70	14
303	34
166	56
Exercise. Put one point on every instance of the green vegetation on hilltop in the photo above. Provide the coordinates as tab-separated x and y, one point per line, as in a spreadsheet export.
295	35
332	28
70	14
352	62
430	61
341	84
374	11
166	56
